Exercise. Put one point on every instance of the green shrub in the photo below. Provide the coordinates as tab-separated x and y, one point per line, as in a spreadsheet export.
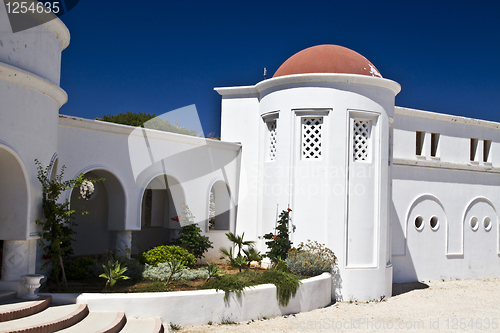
286	284
78	269
279	242
190	234
164	253
228	283
310	259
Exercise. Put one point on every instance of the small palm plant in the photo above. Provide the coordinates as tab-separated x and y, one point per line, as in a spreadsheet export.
113	272
238	241
175	267
213	271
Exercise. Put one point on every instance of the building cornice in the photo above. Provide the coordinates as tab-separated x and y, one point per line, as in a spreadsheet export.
103	126
30	80
445	165
310	78
445	117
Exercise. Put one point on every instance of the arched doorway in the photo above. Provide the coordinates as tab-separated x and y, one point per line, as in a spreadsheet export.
161	201
96	231
14	205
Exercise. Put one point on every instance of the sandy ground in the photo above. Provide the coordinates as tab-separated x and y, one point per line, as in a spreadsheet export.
449	306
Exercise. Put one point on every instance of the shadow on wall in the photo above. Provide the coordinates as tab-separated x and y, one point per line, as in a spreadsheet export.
404	268
336	285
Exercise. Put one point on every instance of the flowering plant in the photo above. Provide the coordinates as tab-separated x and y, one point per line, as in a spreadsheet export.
279	242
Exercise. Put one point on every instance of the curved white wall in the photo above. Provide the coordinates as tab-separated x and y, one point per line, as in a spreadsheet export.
335	199
188	308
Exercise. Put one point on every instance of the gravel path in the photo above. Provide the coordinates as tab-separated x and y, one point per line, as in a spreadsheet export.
449	306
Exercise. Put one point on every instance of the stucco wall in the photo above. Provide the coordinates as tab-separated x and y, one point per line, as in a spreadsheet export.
187	308
451	188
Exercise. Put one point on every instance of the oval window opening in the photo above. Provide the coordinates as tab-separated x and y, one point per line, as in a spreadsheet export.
487	223
474	223
419	223
434	223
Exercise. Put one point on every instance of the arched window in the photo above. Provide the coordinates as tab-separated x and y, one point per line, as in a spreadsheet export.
219	208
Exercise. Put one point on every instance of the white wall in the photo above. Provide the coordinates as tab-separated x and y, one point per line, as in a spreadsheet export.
449	187
317	189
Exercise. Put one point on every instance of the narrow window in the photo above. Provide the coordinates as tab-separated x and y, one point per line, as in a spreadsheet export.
486	150
434	144
420	142
473	149
219	208
361	136
211	210
272	140
147	207
311	137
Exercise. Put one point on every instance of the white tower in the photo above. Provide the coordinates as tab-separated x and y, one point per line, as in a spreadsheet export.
316	137
30	96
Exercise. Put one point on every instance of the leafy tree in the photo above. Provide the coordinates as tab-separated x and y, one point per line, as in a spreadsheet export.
147	120
57	232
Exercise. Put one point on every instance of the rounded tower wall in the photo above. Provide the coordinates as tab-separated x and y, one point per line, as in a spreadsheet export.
30	63
330	163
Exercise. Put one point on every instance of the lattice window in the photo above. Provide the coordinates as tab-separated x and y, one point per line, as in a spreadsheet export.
311	137
273	140
361	130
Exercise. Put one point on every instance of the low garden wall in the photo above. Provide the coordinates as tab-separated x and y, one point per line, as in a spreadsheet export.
188	308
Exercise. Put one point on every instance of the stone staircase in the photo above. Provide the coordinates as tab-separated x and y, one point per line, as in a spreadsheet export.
40	316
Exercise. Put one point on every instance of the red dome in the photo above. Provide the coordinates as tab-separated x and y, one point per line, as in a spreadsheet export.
327	59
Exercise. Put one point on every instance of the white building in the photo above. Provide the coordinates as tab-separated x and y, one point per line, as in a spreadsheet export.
399	195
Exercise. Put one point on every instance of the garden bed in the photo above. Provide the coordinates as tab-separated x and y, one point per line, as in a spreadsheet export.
96	285
198	307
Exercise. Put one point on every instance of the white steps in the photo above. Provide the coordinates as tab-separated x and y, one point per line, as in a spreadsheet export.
38	317
105	322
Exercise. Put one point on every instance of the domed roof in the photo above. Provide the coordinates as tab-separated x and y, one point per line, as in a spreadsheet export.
327	59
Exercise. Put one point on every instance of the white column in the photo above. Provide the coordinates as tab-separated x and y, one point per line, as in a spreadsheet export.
124	242
19	258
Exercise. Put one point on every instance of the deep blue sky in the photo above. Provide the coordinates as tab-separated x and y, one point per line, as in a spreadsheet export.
157	56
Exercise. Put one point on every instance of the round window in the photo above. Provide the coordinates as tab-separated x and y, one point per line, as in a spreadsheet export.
434	223
487	223
419	223
474	224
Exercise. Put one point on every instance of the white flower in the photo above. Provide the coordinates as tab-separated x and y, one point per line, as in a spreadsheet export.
87	189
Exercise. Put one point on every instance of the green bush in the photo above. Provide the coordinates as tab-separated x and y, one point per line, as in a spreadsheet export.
286	284
190	234
228	283
279	242
166	253
78	268
310	259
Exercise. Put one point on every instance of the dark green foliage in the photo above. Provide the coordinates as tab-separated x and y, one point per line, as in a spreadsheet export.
252	254
238	241
113	272
279	243
78	269
153	122
228	283
164	253
190	234
58	222
286	284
